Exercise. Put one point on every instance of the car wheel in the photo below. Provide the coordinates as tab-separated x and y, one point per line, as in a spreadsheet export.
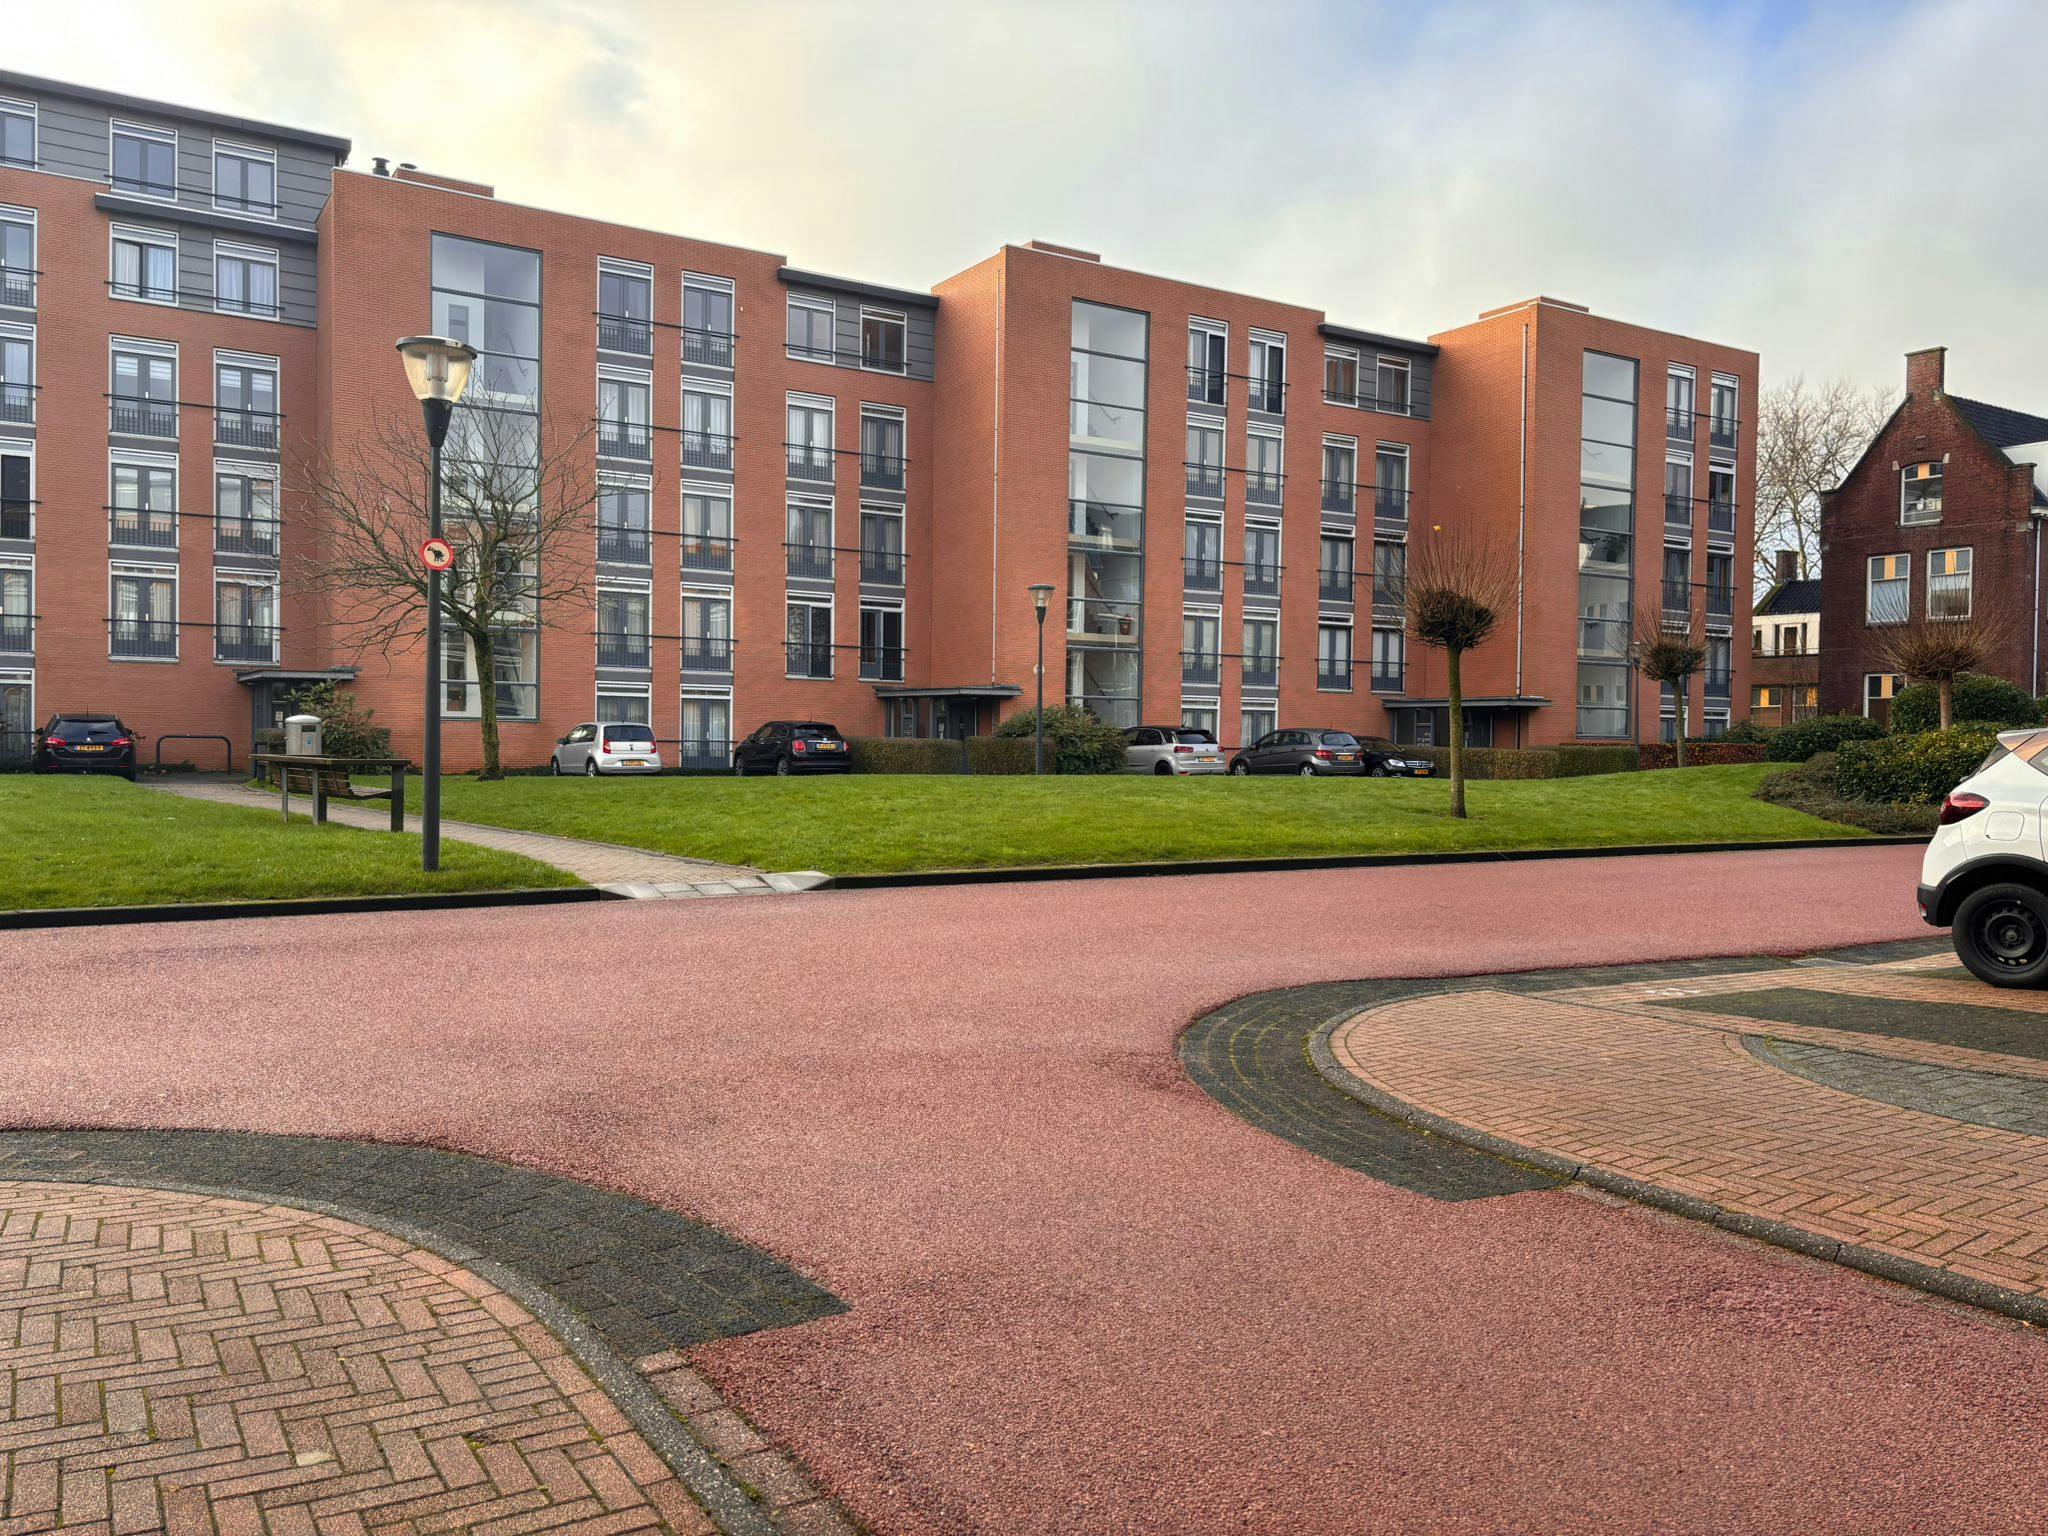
590	767
555	766
1163	769
1307	770
739	767
1241	769
2001	934
1379	770
782	767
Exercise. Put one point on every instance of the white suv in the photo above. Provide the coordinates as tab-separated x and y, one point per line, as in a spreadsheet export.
1986	872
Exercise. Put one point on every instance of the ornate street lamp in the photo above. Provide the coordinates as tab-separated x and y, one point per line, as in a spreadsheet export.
1041	594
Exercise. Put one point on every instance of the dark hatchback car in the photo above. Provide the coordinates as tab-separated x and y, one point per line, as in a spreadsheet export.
1312	754
85	744
793	746
1384	759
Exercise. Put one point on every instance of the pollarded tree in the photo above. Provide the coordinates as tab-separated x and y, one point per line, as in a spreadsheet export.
1933	649
1670	650
518	498
1455	591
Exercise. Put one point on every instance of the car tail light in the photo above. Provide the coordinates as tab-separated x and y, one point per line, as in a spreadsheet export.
1961	805
799	745
118	741
1322	755
1183	749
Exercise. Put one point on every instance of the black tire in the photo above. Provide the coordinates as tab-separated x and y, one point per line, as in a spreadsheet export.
1241	769
590	767
555	766
739	767
1379	770
1307	770
2001	934
782	769
1162	769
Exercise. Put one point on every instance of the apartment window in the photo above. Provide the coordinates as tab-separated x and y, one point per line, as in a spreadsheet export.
1262	476
489	296
245	404
881	545
17	606
1948	584
625	706
244	619
881	642
1389	660
1261	651
624	536
808	639
144	512
1679	415
812	324
707	430
1791	639
145	160
18	257
1720	669
1199	715
18	133
1202	555
706	731
1920	493
1206	344
1261	559
245	180
1392	386
1761	697
707	321
1205	459
17	494
1336	571
1678	578
1333	657
809	439
514	674
1720	585
144	619
1723	404
1201	646
17	374
1678	493
1340	477
1887	599
245	518
145	265
1879	689
1389	574
810	540
625	310
707	632
881	449
1340	376
624	414
882	337
623	622
1269	373
1390	483
707	532
1253	724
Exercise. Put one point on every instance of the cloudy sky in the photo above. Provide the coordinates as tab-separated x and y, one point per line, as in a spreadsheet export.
1831	184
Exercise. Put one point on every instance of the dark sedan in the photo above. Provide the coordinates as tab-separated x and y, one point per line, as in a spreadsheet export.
1311	754
85	744
1384	759
793	746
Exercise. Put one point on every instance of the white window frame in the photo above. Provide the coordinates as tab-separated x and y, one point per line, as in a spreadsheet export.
1905	574
1968	551
689	692
234	576
730	289
25	447
723	389
897	513
1715	382
893	605
1895	682
255	255
712	490
1345	622
140	234
603	691
241	151
1904	470
1258	365
14	214
902	318
829	602
247	469
142	458
1406	368
641	585
15	332
18	676
798	400
33	113
116	127
1351	355
797	301
621	266
147	571
1200	326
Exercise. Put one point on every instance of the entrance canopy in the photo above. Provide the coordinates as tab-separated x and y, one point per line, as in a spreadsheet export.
951	713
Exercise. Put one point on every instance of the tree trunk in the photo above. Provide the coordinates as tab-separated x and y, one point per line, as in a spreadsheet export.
487	699
1678	692
1454	670
1947	689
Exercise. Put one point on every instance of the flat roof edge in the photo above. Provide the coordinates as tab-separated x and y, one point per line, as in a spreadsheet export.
1376	339
145	106
797	278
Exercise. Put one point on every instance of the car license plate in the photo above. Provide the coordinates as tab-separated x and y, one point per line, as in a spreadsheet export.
633	762
86	746
828	746
1423	773
1347	757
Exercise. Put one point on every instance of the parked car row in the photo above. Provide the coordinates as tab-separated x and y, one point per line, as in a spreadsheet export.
782	747
1177	749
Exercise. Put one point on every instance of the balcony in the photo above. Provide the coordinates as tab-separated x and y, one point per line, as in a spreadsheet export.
708	553
881	663
1206	480
17	519
144	639
1266	395
234	427
18	287
1719	684
1677	512
1389	679
624	546
18	404
625	333
1681	423
142	528
1201	573
1338	395
1340	496
707	450
810	562
624	439
707	653
246	536
807	659
623	648
1262	487
1261	671
136	416
882	471
245	642
17	633
1721	518
1205	385
807	461
1335	586
881	567
1722	431
1333	679
1261	579
711	349
1720	603
1204	667
1390	505
1677	599
704	754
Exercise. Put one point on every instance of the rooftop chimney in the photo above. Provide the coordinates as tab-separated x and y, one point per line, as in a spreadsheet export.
380	165
1925	371
1788	565
1061	250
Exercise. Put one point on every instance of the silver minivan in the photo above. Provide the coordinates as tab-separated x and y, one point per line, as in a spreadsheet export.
1168	749
593	748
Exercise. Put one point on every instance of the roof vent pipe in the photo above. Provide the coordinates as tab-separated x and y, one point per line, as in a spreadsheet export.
380	166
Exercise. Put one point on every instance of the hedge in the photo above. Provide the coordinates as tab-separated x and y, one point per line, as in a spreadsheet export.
1911	770
1702	754
1076	739
1823	733
1979	700
1575	761
1811	787
903	754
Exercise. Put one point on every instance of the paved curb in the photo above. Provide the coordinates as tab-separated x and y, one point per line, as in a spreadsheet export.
1335	861
300	906
1885	1266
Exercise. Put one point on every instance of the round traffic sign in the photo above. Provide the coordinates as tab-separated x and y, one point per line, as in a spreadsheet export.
437	554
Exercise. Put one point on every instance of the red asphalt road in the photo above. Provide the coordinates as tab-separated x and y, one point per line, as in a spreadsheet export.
1083	1296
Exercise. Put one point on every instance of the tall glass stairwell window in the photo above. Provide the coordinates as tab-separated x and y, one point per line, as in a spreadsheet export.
1607	463
1106	508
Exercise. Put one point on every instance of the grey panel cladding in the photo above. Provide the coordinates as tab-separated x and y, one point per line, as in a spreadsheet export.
71	140
919	345
1421	385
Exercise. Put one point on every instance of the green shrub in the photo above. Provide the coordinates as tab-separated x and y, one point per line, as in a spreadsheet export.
1811	787
1911	770
1576	762
1984	700
899	754
1746	733
347	728
1077	740
1700	753
1823	733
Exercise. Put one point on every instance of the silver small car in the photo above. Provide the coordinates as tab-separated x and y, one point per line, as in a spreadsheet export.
1167	749
593	748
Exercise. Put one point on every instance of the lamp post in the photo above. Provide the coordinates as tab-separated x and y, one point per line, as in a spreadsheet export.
1041	594
438	371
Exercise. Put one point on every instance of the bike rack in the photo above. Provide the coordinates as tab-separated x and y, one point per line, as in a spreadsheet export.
229	745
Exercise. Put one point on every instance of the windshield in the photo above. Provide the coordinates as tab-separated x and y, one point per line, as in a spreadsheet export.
814	732
1339	739
82	730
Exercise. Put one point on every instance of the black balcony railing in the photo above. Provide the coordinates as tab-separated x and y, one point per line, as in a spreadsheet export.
707	653
1721	431
707	552
624	546
1261	672
142	528
1205	480
1267	395
623	648
1200	666
1678	596
1202	573
884	566
1335	586
807	461
17	633
1205	385
17	746
18	287
702	753
1677	510
712	349
145	639
624	439
1389	504
1261	579
1720	602
1389	679
1681	423
244	642
1721	517
1719	684
1337	395
255	207
1389	594
807	659
17	403
707	450
1340	496
812	561
234	427
1333	679
245	536
17	519
881	471
133	416
153	293
1262	487
881	663
625	333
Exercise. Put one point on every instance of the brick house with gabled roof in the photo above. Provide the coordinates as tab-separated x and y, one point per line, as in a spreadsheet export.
1945	507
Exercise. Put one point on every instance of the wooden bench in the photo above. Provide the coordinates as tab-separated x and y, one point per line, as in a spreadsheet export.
326	777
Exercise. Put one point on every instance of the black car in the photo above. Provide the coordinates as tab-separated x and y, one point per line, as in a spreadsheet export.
1384	759
85	744
1312	754
793	746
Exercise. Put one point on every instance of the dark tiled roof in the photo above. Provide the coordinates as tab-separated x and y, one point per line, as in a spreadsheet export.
2000	427
1791	597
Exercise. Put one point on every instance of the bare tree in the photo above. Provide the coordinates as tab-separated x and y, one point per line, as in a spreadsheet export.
1669	649
1456	589
1931	649
1808	438
517	503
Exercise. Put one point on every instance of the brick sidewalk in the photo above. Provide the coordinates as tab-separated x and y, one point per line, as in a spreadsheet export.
1842	1100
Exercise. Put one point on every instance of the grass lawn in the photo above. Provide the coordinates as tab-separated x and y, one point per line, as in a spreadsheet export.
74	841
884	823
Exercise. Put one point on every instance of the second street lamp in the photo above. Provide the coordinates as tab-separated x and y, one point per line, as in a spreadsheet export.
437	368
1041	595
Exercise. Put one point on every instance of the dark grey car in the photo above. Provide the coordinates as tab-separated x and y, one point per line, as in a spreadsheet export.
1311	754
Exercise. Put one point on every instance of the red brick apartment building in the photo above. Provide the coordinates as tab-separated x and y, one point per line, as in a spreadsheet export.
819	497
1940	517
